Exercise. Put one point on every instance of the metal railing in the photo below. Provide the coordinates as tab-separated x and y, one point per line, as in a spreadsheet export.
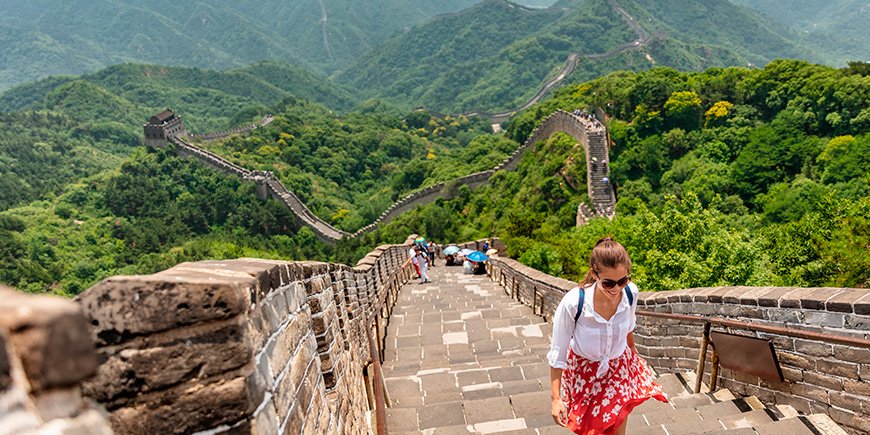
748	326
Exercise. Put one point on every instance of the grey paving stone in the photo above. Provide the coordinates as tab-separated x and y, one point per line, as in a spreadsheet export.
402	419
518	387
686	427
434	350
452	430
666	416
539	370
718	410
474	377
505	374
534	404
482	394
741	431
691	401
438	382
441	397
441	415
790	426
496	408
754	418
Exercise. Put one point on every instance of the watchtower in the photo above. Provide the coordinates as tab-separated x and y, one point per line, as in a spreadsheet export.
163	126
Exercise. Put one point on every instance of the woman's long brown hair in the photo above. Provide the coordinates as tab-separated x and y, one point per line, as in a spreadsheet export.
606	254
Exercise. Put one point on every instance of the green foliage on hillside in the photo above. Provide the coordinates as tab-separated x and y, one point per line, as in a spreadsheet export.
466	62
41	152
348	169
49	37
157	211
726	177
59	130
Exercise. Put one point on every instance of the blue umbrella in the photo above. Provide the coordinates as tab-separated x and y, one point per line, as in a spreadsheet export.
450	250
477	256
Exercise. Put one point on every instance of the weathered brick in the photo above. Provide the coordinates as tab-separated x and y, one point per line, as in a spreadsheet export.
811	392
813	348
822	318
799	403
123	307
847	401
859	423
851	354
171	358
795	360
50	336
843	302
857	387
186	409
838	368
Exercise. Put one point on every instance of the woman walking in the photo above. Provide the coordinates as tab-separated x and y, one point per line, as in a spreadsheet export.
422	261
596	375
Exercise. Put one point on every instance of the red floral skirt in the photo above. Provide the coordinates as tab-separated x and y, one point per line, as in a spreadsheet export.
600	405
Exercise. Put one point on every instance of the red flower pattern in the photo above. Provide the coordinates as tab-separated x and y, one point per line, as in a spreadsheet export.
599	406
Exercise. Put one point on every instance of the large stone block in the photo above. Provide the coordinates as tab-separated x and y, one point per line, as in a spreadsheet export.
124	307
50	337
186	409
162	360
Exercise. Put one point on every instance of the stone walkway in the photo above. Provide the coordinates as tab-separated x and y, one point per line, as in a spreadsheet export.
462	357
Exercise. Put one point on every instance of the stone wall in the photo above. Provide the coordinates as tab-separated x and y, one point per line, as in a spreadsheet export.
45	354
271	186
241	346
820	376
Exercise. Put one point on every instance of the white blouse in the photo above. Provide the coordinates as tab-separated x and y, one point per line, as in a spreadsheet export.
593	337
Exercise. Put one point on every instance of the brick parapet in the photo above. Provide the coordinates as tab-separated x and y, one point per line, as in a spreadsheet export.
820	377
245	346
45	355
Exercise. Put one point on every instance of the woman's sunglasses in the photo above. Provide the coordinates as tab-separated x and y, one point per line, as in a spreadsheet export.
609	283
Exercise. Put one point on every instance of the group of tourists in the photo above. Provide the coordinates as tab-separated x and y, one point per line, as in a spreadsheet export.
422	256
592	121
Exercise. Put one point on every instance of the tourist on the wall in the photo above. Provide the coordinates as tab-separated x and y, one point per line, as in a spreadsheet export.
412	257
422	259
596	374
431	248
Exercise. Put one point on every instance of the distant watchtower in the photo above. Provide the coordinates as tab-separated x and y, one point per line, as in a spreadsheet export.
163	126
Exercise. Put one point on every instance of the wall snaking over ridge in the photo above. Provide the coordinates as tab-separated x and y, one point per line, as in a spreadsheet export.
592	135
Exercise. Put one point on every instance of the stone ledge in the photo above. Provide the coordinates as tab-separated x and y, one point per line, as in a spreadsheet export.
50	336
123	307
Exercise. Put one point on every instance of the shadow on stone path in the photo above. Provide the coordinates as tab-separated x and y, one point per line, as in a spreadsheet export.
462	357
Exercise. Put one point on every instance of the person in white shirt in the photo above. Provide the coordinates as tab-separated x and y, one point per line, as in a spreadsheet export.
596	374
422	261
412	256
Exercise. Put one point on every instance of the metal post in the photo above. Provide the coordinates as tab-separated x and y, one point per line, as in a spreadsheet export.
702	358
714	371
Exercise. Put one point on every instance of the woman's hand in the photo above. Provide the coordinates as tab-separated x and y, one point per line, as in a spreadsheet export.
559	412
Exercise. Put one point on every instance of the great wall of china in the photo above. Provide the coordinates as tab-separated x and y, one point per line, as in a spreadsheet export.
167	127
268	347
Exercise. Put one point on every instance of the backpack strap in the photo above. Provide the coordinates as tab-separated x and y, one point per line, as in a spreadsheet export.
582	297
579	305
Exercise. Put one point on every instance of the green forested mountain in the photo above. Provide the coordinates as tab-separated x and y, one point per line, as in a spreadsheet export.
473	61
726	177
839	27
59	130
44	37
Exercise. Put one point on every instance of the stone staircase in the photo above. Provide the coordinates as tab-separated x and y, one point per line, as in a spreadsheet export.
462	357
600	193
